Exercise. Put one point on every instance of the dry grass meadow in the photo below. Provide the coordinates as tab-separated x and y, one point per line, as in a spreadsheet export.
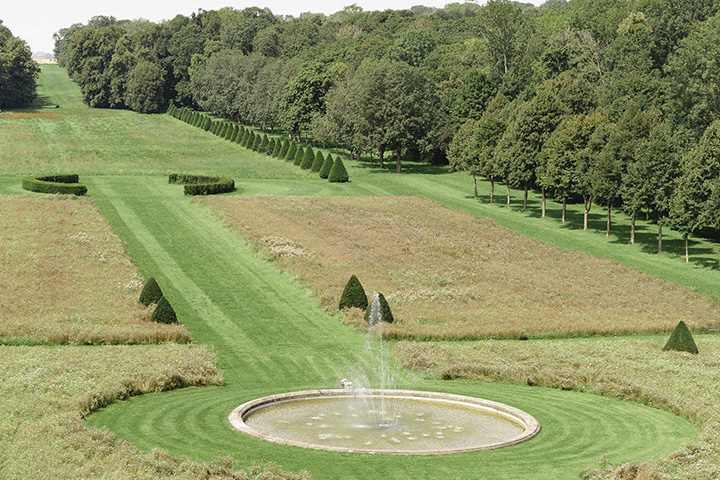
633	369
451	275
46	392
65	277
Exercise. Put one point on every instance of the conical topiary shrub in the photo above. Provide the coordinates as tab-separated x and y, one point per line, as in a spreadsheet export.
326	166
338	172
245	138
270	147
384	310
234	133
240	135
292	150
308	159
284	149
251	140
164	313
151	292
263	144
353	295
318	163
299	155
257	142
681	340
207	122
276	148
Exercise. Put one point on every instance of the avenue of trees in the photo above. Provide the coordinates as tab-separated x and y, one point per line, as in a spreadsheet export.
610	103
18	71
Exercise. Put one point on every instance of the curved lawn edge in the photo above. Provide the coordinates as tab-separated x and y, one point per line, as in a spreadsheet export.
578	429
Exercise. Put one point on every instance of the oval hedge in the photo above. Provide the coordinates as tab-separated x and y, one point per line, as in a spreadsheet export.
202	185
67	184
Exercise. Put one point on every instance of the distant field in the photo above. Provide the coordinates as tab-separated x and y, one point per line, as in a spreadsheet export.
452	275
65	277
626	368
76	139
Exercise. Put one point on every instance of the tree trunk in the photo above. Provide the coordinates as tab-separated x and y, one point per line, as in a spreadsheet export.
647	214
659	236
525	198
381	152
687	249
607	232
543	203
507	190
475	185
398	165
586	210
492	189
563	210
632	229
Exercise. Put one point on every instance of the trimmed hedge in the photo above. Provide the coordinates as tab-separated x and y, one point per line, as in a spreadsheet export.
284	149
681	340
353	295
276	148
257	142
318	162
201	185
67	184
292	150
338	172
151	292
164	312
308	159
327	166
299	155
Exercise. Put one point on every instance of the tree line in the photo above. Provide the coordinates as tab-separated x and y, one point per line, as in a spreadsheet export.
604	102
18	71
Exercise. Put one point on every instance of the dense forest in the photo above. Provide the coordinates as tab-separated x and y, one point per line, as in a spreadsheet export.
605	102
18	71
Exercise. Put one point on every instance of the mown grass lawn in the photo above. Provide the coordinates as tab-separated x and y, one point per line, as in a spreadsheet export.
265	327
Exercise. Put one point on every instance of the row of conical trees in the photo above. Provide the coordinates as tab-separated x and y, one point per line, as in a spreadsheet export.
328	167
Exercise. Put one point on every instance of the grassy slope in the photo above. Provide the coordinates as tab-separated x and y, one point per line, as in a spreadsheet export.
270	336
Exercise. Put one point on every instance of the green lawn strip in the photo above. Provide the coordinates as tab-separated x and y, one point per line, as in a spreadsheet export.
210	274
271	337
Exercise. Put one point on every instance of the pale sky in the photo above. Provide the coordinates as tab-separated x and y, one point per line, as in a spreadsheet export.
35	21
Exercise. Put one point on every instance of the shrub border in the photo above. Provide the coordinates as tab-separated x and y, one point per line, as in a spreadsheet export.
66	184
202	185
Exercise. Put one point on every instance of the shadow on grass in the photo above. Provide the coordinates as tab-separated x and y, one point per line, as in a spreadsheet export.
407	167
703	252
42	101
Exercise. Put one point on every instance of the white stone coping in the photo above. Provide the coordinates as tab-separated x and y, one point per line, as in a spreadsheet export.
530	424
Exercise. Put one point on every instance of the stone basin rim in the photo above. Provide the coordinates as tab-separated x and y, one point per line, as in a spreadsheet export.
531	425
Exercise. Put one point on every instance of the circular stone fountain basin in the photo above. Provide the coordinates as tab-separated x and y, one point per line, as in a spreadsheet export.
398	422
